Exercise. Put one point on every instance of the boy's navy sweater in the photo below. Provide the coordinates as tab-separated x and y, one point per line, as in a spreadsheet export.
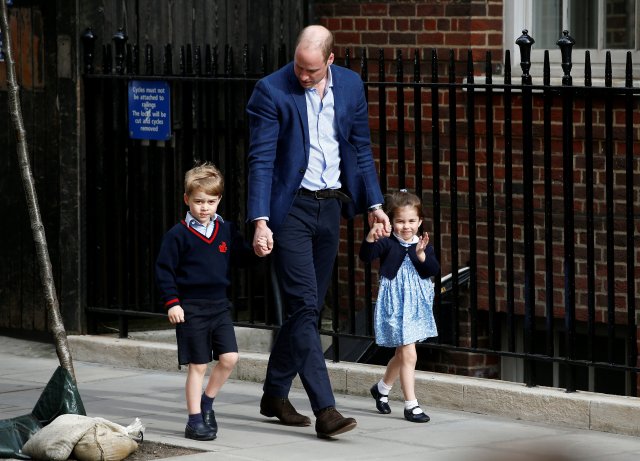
192	266
392	253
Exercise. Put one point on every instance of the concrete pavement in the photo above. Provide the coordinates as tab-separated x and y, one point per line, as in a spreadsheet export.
120	394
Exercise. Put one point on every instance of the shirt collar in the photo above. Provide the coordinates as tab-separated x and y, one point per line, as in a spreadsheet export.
413	241
193	222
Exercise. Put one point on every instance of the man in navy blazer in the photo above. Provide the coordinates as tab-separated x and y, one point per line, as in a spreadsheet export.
309	162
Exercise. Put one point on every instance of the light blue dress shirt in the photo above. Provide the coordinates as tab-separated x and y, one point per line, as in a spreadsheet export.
197	225
323	171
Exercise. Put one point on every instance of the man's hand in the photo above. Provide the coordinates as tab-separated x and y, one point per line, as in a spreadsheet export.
176	314
262	238
379	216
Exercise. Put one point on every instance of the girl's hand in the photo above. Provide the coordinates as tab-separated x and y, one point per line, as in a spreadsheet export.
379	216
421	246
377	231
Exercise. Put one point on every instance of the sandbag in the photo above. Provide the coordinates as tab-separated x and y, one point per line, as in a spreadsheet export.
56	441
103	442
89	439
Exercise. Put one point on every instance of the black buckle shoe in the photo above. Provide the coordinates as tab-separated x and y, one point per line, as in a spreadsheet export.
383	407
209	418
199	432
418	418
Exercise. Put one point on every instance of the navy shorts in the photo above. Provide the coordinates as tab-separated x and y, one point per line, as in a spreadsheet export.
206	333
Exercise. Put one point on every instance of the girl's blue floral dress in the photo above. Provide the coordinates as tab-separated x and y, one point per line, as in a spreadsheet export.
404	308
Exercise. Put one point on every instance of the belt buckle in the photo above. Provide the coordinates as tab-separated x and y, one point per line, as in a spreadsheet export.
316	194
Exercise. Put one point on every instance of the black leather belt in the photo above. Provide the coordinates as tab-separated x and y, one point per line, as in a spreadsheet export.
323	194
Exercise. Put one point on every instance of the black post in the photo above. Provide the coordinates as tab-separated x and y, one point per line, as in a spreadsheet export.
525	42
589	180
402	173
473	240
197	61
88	47
120	41
167	65
566	43
368	297
189	60
148	60
548	207
508	200
107	63
632	344
453	194
417	116
208	60
609	200
382	117
491	224
435	160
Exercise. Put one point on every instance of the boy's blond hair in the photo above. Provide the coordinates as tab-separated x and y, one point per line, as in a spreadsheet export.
204	177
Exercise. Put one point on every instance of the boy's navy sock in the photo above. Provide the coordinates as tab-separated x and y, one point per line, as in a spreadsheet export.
194	420
206	402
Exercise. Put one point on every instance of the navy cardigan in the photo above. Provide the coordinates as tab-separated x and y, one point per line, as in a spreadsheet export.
392	253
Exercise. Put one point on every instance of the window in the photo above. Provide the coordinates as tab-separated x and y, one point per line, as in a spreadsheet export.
595	25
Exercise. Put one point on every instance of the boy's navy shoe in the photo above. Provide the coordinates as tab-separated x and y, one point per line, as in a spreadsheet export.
200	431
383	407
209	418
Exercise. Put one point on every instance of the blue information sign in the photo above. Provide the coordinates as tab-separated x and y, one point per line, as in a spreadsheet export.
149	110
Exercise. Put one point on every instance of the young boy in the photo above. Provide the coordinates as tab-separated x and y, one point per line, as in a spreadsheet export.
192	275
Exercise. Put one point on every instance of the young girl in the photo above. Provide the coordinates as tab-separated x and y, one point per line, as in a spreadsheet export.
404	309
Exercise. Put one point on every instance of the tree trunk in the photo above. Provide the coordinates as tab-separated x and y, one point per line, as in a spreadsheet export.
56	324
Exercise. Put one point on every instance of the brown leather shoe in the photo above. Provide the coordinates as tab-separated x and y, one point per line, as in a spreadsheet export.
283	410
330	422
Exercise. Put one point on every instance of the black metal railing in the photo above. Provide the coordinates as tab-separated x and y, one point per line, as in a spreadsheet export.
521	183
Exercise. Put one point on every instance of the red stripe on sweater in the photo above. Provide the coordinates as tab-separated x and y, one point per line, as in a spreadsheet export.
202	237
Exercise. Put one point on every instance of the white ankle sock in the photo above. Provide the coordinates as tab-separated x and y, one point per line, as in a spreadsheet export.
383	388
409	404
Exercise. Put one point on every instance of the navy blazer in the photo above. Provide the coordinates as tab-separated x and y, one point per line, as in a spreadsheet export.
392	253
279	146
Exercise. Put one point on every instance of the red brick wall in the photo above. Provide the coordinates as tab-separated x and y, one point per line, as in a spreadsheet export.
409	25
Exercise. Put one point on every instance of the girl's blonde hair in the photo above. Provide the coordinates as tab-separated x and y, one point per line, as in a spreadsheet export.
400	199
204	177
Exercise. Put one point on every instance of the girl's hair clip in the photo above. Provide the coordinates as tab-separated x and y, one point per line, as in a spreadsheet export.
404	191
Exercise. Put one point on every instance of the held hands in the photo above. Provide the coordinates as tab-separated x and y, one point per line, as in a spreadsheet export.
376	232
421	246
262	238
379	216
176	314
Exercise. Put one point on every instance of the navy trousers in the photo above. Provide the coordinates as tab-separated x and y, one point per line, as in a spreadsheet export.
305	249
